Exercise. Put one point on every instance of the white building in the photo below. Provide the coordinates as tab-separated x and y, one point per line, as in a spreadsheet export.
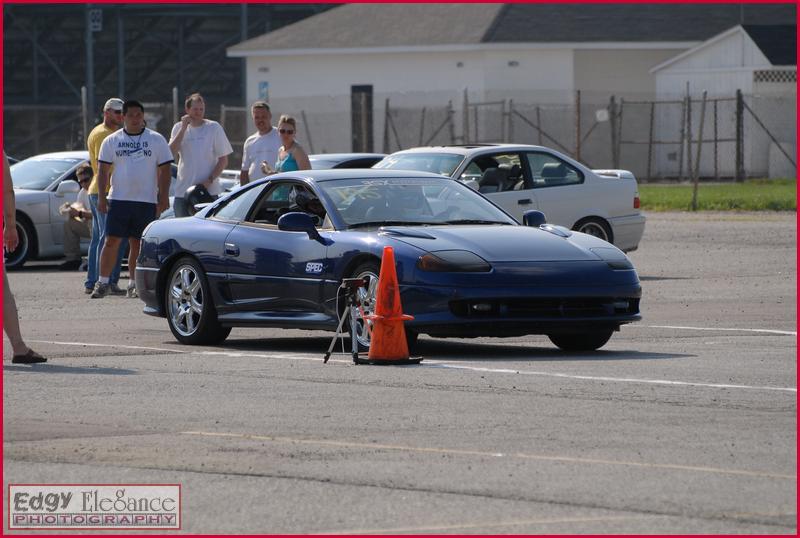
350	59
759	60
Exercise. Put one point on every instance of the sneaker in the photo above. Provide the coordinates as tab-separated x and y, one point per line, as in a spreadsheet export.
100	290
70	265
114	289
132	294
88	291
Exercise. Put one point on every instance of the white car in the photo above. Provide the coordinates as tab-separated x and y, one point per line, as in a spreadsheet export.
42	184
603	203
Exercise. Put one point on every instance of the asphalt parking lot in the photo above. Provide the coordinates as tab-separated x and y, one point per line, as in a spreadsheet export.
682	423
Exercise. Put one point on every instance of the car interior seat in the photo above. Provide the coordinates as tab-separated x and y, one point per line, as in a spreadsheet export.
493	180
554	173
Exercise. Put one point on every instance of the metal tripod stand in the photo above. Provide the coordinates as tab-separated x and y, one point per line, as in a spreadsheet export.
351	286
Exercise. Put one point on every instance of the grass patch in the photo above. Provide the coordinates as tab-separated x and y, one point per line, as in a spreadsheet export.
751	195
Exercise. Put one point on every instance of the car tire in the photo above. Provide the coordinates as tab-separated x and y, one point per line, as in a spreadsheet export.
595	226
588	341
367	296
189	306
25	248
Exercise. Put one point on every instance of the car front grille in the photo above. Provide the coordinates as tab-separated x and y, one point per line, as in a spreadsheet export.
545	308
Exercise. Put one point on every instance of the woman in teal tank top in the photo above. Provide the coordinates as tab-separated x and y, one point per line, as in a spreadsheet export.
291	156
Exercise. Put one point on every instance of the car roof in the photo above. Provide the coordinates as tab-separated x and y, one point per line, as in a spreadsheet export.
471	149
356	173
343	156
80	154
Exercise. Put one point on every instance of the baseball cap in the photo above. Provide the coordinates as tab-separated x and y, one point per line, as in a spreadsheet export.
114	103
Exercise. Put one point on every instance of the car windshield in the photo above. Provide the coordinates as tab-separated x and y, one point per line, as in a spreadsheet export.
37	174
322	164
438	163
410	201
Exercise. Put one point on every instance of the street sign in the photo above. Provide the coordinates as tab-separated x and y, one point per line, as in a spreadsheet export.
96	20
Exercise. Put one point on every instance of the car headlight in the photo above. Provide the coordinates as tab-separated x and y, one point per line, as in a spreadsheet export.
616	259
453	261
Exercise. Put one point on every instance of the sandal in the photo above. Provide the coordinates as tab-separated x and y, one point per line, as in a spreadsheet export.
31	357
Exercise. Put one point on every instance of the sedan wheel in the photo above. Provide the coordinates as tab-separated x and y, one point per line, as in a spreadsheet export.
190	310
596	227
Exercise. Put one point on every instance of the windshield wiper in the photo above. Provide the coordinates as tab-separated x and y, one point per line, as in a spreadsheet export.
380	223
476	221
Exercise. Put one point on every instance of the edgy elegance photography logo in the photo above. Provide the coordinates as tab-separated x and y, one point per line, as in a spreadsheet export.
94	506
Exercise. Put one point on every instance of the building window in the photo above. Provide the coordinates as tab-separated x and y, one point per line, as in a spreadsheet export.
775	75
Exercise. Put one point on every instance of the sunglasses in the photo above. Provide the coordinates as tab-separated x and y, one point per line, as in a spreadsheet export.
286	131
86	179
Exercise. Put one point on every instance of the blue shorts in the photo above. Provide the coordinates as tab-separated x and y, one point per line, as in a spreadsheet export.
129	219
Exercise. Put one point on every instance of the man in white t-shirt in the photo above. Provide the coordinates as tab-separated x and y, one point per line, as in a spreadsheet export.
260	147
79	220
203	149
139	189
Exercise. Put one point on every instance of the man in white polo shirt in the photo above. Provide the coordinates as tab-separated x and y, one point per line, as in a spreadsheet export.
260	147
139	189
203	149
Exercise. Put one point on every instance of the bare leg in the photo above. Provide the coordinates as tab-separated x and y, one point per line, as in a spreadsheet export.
108	257
132	255
11	320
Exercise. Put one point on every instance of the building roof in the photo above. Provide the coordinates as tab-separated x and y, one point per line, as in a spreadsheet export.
777	42
411	25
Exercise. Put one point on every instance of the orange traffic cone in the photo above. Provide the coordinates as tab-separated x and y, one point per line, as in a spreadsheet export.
388	343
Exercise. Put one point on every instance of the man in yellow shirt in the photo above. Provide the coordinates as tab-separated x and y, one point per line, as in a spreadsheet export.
112	121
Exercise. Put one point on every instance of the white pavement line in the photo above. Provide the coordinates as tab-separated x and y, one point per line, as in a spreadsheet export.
601	378
768	331
519	455
488	524
439	364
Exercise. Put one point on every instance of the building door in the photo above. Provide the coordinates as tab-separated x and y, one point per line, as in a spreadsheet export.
361	118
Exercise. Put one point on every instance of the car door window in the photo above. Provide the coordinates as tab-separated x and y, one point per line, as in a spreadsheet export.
547	170
236	208
287	197
498	172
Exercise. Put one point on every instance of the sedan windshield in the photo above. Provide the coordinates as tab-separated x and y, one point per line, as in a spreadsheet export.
37	174
410	202
438	163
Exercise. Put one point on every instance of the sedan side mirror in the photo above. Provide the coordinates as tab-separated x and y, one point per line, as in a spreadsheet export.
68	186
299	222
533	218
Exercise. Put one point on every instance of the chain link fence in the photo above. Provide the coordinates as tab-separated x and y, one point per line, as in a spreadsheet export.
674	138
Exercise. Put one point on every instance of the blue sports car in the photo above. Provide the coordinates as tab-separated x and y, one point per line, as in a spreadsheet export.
274	254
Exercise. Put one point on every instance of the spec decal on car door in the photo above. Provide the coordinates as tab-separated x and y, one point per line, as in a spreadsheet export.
313	267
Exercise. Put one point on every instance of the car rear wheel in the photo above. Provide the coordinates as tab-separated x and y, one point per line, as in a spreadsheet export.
367	296
190	309
595	226
24	250
588	341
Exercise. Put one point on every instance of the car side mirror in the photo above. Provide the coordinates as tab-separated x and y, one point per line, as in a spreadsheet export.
533	218
68	186
299	222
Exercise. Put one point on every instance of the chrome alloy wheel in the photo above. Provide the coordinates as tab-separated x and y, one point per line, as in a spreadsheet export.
594	228
186	301
366	298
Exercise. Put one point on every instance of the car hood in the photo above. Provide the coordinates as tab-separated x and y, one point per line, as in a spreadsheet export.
494	243
30	195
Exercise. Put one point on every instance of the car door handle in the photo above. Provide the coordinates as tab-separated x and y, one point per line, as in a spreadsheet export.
231	249
525	201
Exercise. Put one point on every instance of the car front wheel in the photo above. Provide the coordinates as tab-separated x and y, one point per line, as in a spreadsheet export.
367	296
190	308
588	341
18	257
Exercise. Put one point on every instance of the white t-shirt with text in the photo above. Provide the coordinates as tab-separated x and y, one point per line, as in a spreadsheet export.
200	150
136	158
259	148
